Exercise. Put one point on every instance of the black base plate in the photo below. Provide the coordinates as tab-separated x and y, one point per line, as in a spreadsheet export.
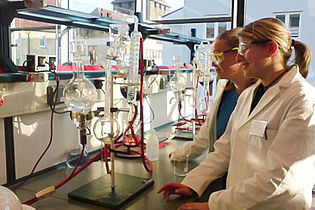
184	135
99	191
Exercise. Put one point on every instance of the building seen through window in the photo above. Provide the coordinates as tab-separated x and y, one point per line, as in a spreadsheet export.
291	20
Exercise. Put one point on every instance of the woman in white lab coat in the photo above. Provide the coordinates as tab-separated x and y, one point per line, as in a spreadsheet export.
269	145
232	82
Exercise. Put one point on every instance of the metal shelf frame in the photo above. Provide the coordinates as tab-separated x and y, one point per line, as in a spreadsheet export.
56	15
70	18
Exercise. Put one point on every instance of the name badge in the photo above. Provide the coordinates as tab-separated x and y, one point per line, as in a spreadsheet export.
258	128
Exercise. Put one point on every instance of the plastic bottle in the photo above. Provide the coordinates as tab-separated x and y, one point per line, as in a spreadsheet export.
152	147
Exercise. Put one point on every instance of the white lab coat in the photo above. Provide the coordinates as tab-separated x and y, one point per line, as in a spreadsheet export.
275	171
207	133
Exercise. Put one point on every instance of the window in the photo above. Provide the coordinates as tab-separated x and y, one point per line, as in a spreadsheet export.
42	40
193	32
18	39
130	5
222	27
18	61
210	31
292	22
281	17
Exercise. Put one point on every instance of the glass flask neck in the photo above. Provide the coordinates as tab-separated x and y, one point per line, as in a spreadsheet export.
78	70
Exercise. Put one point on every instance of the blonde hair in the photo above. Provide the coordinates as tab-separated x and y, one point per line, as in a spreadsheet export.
274	29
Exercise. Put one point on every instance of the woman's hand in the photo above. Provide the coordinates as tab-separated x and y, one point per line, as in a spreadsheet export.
175	188
195	206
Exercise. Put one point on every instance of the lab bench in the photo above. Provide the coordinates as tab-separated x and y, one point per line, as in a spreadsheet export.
149	199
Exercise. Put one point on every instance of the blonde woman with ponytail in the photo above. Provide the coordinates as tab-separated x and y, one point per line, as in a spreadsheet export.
268	148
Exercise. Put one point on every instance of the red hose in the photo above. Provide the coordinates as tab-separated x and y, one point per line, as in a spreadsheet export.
207	100
146	162
73	171
73	174
31	201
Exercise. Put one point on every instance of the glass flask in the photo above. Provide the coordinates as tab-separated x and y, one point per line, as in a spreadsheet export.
73	156
80	94
106	128
177	83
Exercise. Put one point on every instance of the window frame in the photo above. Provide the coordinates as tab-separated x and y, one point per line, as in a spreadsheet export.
295	31
44	38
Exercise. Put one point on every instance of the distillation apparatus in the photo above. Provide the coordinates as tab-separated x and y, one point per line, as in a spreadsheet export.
201	72
177	83
107	129
80	95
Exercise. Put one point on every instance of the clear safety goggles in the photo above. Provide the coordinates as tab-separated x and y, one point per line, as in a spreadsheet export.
244	46
217	57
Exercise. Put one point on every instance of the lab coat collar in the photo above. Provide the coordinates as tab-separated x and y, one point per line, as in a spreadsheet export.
270	94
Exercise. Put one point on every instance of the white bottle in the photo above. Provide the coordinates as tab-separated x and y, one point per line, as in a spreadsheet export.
152	147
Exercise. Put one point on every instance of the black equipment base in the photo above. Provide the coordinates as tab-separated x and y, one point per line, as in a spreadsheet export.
99	191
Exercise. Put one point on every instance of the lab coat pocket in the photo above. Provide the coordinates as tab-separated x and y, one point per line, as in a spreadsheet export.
264	140
270	135
259	145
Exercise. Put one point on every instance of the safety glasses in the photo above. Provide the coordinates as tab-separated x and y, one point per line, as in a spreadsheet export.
244	46
217	57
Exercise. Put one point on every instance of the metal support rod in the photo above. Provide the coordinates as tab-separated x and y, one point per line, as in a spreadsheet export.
58	44
194	77
192	20
7	13
112	143
9	149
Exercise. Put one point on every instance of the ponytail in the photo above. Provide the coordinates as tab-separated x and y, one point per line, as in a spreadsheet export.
302	56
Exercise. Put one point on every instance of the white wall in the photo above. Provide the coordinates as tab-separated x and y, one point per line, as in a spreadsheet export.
202	8
31	136
164	104
165	107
